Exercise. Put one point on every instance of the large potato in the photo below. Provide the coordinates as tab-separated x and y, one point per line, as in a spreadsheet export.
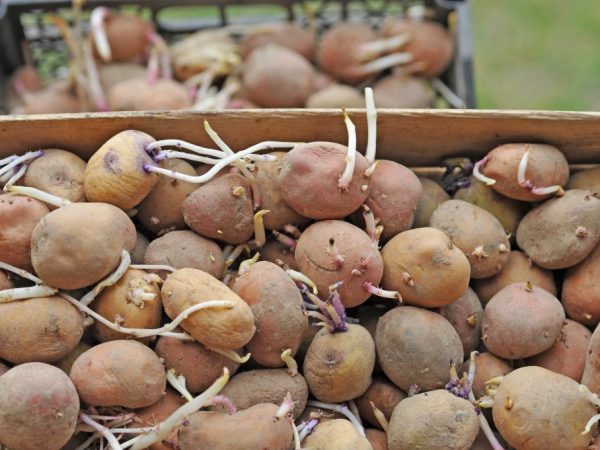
581	291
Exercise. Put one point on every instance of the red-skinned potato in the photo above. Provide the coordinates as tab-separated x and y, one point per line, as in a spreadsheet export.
591	371
6	281
3	368
274	250
127	36
336	96
465	316
288	35
432	195
384	395
487	366
158	412
402	91
377	438
580	290
137	94
48	101
336	434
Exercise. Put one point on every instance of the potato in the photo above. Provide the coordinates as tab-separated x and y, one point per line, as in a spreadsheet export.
159	411
42	329
77	245
250	388
562	231
487	366
336	434
384	395
280	213
591	371
588	180
465	316
39	407
199	365
402	91
357	260
412	257
138	94
284	34
227	329
535	408
141	244
66	363
519	268
48	101
338	366
254	428
113	73
127	36
3	368
568	354
6	281
185	249
308	181
278	310
59	173
119	373
377	438
312	412
336	96
432	195
221	209
580	291
521	321
435	419
481	238
133	302
19	216
161	210
274	250
416	347
482	442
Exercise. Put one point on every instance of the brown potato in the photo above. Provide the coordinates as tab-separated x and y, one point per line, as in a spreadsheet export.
3	368
19	216
185	249
481	238
141	244
115	174
66	363
521	321
161	210
580	290
119	373
432	196
277	306
113	73
154	414
465	316
562	231
435	419
377	438
591	371
519	268
138	94
274	250
384	395
127	36
402	91
487	366
425	267
416	347
102	232
288	35
312	412
42	329
6	281
228	329
588	180
336	96
336	434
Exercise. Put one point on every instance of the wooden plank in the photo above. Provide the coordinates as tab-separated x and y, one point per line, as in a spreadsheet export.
412	137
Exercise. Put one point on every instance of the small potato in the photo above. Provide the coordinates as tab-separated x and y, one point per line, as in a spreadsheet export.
19	216
132	302
336	96
487	366
185	249
425	267
521	321
377	438
416	347
465	316
384	395
3	368
66	363
336	434
199	365
277	306
402	91
568	354
255	428
59	173
250	388
222	328
274	250
581	292
119	373
481	237
519	268
161	210
562	231
536	409
77	245
435	419
432	196
588	180
115	174
338	366
6	281
39	407
39	329
141	244
591	371
285	34
221	209
152	415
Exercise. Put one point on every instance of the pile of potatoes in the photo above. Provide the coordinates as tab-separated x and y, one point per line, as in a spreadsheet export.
143	304
126	66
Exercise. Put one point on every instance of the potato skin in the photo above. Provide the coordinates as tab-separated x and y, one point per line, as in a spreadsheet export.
417	346
119	373
277	306
141	244
357	250
336	96
487	366
425	267
250	429
588	180
102	232
115	174
336	434
580	291
521	321
228	329
465	316
44	329
432	196
250	388
402	91
435	419
377	438
19	216
66	363
288	35
338	366
6	281
274	250
547	411
385	395
159	411
481	238
591	371
185	249
199	365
